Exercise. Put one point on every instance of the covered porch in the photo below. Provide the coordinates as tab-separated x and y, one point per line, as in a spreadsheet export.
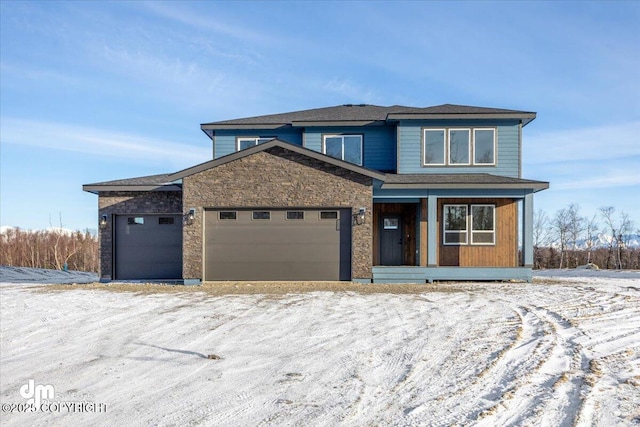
469	227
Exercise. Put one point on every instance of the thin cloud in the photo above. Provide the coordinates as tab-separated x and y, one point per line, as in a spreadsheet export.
100	142
596	143
606	181
211	22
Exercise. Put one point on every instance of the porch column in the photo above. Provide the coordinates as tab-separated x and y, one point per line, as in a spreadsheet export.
432	231
527	230
423	233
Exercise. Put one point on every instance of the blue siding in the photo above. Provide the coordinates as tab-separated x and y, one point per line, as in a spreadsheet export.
379	143
507	158
225	140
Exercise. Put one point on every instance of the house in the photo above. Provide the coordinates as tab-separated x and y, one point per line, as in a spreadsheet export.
352	192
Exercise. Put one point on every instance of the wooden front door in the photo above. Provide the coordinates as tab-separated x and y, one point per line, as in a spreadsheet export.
391	242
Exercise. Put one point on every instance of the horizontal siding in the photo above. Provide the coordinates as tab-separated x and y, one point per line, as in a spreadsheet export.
379	143
225	140
410	147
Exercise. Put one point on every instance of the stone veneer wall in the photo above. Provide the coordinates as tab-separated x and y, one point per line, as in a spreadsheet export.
122	203
274	179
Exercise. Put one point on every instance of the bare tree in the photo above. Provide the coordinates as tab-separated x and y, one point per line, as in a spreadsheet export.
610	229
541	236
560	226
576	226
591	230
624	230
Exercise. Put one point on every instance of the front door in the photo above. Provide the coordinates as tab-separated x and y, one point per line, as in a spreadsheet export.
391	241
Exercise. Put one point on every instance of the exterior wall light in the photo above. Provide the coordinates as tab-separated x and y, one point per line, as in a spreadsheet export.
103	221
359	218
191	216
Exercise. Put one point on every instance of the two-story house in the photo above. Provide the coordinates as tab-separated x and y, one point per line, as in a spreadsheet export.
352	192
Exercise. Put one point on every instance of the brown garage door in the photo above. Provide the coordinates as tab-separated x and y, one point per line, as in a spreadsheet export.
148	247
267	244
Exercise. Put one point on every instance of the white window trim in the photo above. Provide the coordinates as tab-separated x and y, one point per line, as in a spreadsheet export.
493	226
494	147
459	232
424	146
469	227
448	145
342	136
447	149
255	139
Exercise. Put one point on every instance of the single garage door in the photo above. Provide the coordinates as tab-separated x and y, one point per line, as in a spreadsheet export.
264	244
148	247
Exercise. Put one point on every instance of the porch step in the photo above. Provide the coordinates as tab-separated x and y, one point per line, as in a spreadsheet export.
409	274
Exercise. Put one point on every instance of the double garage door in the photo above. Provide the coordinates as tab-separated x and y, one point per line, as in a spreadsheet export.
148	247
267	244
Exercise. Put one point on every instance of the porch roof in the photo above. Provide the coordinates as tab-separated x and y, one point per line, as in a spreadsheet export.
159	182
460	181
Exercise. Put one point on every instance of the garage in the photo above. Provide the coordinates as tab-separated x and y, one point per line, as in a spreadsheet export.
148	247
281	244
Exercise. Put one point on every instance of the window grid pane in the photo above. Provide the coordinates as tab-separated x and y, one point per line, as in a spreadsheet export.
459	146
434	147
483	146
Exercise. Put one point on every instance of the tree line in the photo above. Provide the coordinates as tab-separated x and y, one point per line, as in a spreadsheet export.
568	240
52	249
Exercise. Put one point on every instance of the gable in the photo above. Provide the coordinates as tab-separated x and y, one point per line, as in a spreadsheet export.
283	149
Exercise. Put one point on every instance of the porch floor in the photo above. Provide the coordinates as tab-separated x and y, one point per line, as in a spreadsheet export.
412	274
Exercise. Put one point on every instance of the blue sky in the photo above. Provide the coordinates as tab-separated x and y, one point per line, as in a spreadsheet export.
95	91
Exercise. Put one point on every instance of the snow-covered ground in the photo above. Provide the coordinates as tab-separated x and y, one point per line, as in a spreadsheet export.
562	351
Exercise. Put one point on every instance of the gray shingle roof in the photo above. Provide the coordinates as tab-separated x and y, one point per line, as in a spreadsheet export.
363	112
460	180
141	183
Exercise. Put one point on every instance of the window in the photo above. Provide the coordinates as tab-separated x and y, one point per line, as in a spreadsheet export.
458	218
261	215
434	147
135	220
328	215
484	146
390	223
227	215
482	225
459	147
455	224
295	215
166	220
344	147
246	142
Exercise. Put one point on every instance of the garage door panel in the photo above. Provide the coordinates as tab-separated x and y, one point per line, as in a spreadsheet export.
269	271
277	249
150	248
300	252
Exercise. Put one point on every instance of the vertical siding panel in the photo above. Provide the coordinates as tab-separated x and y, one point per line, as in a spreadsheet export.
505	251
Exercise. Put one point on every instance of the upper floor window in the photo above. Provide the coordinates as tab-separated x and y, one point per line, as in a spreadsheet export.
246	142
484	146
459	147
344	147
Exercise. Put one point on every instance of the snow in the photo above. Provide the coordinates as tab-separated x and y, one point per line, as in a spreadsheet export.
564	350
44	276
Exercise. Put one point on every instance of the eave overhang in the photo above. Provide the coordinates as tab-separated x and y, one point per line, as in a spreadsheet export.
525	118
467	186
97	188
